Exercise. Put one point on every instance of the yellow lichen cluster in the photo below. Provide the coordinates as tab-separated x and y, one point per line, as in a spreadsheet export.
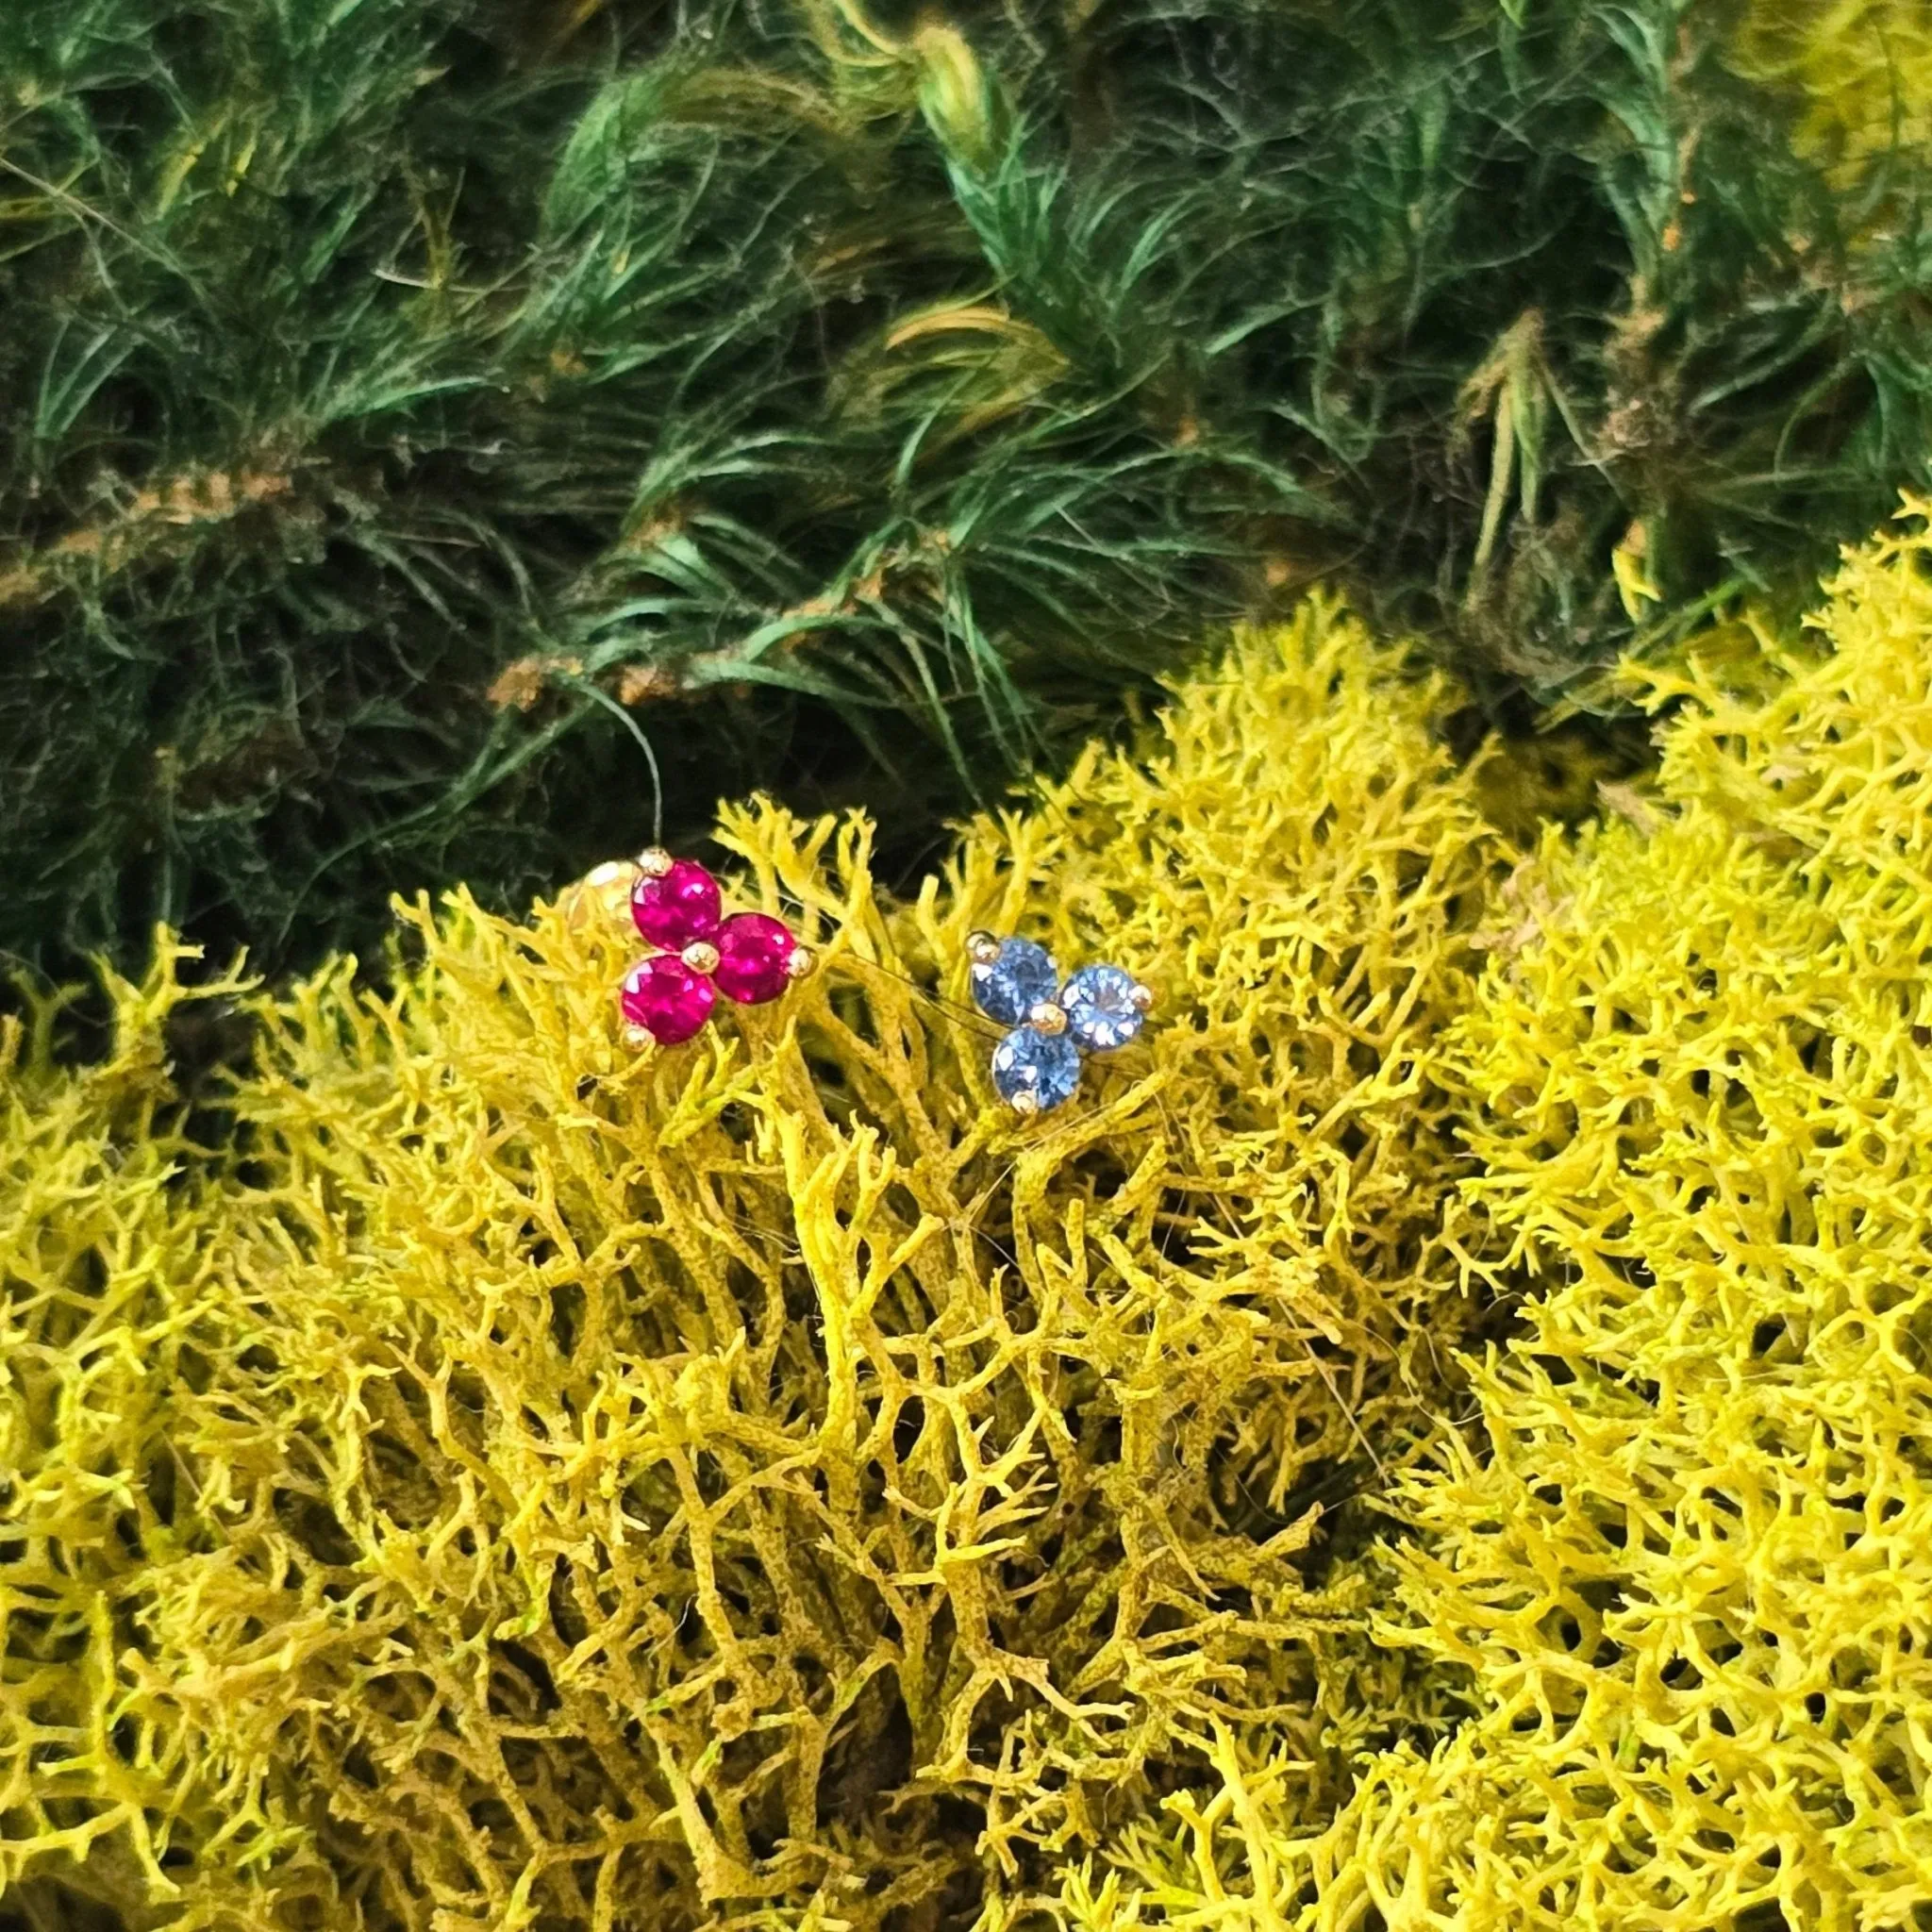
100	1279
1863	68
507	1480
1684	1553
475	1474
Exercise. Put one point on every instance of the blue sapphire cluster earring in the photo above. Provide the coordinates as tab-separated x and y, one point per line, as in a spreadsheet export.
1036	1066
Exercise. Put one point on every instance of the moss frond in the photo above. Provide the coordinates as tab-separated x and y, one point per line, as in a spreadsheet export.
392	392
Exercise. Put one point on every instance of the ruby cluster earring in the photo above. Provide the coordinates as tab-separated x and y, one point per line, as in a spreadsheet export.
749	957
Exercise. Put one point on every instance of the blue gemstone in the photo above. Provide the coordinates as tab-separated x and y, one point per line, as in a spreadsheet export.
1011	985
1045	1065
1101	1013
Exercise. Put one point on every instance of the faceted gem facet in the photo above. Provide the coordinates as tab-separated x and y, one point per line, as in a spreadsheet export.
1101	1013
1030	1061
754	957
666	998
681	907
1007	986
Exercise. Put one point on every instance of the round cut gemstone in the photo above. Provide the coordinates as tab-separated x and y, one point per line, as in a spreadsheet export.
754	957
1101	1013
677	909
1008	986
666	998
1047	1066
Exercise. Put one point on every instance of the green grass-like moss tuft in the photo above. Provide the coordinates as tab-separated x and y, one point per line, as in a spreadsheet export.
404	402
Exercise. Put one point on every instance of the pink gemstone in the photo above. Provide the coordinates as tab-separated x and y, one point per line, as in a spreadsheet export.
666	998
678	908
753	950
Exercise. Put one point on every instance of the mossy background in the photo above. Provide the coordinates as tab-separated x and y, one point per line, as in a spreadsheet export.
409	403
1681	1553
1432	1437
575	1483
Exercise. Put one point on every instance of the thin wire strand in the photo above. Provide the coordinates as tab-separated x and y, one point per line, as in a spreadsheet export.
636	730
968	1016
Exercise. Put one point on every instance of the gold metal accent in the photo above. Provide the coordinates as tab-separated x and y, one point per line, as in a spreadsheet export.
598	894
637	1036
802	962
1140	998
655	862
1047	1017
1026	1102
982	948
700	956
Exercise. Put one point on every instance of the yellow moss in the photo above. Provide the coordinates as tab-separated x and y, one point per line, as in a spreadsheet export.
756	1483
1685	1558
1863	67
525	1484
102	1280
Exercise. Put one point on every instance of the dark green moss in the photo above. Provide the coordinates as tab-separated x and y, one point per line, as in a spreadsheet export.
362	360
